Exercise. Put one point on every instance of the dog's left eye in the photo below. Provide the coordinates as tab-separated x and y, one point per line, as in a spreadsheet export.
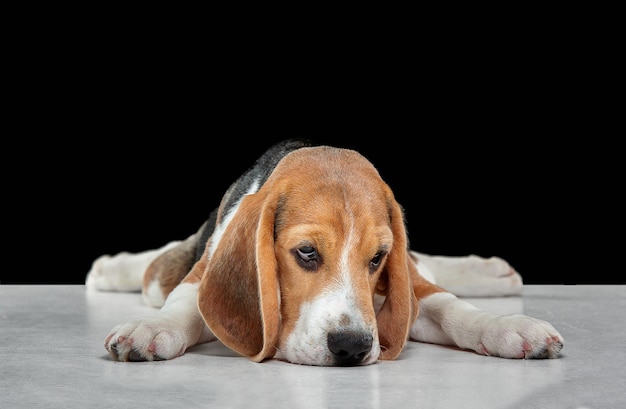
375	262
307	257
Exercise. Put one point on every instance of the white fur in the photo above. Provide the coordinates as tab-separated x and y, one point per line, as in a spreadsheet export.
471	276
123	271
153	294
166	335
335	310
307	344
447	320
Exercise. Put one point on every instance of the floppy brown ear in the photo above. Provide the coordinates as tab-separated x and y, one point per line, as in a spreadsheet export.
400	307
238	295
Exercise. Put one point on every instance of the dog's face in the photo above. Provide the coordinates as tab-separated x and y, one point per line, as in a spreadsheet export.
315	244
331	247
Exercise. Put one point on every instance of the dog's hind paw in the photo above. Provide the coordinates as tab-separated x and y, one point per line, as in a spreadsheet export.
474	276
121	272
96	279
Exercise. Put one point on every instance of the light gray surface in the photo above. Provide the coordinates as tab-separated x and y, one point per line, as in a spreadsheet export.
52	356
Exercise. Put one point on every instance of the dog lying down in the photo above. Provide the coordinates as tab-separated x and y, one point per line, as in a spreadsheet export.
307	260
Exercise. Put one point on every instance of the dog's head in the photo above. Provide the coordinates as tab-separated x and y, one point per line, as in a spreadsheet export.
298	266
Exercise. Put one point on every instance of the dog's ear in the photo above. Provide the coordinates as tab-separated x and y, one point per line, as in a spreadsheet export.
400	307
239	295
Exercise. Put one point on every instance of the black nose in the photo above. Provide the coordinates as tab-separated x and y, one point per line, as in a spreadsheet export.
349	347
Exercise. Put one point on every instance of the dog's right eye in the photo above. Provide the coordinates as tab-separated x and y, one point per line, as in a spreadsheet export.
307	257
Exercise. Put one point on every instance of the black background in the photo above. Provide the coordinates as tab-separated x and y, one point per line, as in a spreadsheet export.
524	201
122	144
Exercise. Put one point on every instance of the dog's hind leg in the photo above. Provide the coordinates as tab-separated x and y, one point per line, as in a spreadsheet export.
123	271
470	276
168	269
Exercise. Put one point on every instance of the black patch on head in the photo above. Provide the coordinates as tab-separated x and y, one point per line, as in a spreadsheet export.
259	173
262	169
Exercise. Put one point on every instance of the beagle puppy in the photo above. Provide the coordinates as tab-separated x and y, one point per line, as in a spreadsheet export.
307	260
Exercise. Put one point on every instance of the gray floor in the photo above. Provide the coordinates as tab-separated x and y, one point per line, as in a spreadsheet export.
52	356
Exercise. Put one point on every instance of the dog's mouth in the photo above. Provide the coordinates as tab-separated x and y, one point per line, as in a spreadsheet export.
341	348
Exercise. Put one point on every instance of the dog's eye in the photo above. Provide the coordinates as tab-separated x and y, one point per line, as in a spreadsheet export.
307	257
375	262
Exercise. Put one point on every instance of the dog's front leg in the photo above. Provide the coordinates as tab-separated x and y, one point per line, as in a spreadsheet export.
166	335
445	319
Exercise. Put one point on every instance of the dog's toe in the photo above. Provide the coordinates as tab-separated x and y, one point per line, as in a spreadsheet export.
135	356
551	349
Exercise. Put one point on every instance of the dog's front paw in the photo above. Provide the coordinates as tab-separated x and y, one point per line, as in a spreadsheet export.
520	336
148	339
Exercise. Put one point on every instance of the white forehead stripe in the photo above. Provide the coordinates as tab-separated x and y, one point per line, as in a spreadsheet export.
344	259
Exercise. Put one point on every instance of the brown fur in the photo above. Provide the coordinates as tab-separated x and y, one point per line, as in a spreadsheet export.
251	289
171	267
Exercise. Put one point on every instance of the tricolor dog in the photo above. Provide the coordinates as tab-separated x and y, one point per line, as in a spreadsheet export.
307	260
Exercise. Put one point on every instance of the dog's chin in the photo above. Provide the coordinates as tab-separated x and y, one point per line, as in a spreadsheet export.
304	357
325	358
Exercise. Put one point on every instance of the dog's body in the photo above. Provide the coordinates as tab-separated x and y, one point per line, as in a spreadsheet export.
307	260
